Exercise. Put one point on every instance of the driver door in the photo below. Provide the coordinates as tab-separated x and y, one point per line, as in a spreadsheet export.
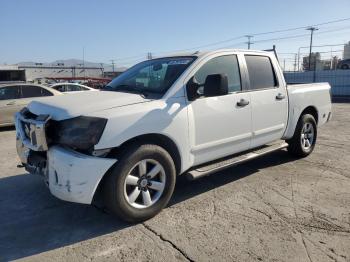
220	126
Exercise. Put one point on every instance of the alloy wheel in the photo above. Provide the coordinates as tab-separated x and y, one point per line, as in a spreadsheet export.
307	136
144	184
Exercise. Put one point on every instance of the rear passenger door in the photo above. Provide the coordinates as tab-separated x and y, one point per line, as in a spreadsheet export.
269	100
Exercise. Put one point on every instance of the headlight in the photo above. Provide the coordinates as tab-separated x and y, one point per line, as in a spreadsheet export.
82	132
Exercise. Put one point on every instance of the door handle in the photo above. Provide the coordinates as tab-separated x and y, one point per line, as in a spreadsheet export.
280	96
242	102
11	103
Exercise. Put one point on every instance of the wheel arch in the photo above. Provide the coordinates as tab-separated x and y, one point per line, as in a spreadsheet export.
156	139
310	110
152	138
293	120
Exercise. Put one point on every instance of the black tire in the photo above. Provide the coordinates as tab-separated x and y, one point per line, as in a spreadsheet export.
115	199
345	67
296	147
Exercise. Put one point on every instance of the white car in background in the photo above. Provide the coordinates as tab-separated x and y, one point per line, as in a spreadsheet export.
71	87
14	96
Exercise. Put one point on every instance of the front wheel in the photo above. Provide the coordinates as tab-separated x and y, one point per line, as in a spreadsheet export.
141	184
304	139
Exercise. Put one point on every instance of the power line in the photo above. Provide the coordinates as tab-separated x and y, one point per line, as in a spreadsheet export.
297	36
281	38
302	27
202	46
249	38
294	36
263	33
321	52
328	45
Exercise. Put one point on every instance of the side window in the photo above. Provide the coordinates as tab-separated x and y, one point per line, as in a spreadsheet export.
31	91
45	92
9	92
261	72
72	88
61	88
227	65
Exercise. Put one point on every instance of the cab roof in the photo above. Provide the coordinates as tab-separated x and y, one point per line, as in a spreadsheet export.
204	52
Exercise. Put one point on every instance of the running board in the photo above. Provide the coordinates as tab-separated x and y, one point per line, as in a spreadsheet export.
208	169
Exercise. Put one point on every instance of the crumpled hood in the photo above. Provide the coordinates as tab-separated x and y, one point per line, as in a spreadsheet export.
73	105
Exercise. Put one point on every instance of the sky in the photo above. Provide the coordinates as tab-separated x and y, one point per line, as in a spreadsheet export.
125	31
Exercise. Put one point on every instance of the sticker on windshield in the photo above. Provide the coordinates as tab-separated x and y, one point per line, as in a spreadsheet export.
179	62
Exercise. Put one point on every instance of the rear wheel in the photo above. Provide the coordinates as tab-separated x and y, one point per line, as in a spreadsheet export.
304	139
141	184
345	66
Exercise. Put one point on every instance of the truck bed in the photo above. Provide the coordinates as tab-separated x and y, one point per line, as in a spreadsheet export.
301	96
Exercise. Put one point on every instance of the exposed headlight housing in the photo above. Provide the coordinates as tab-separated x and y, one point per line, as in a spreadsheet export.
80	133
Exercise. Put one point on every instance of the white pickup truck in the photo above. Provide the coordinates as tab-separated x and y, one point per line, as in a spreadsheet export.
192	115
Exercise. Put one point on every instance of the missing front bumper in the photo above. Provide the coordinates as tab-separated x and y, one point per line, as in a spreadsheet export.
74	176
71	176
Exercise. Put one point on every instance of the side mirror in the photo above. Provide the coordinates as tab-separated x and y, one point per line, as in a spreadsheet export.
192	89
216	85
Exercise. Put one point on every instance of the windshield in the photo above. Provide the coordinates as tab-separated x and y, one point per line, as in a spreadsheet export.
150	77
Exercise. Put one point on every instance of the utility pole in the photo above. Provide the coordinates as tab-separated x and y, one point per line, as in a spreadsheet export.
284	64
311	29
112	60
84	61
149	55
299	59
295	62
102	69
249	42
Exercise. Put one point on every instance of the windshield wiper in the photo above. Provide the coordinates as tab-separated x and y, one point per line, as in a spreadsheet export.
128	88
107	88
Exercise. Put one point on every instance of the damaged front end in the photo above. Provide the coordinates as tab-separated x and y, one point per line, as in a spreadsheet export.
62	152
31	141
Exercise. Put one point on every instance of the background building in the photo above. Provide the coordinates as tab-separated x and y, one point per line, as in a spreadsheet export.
111	74
11	73
60	70
320	64
315	64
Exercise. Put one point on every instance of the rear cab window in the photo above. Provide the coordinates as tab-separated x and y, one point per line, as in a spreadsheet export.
261	72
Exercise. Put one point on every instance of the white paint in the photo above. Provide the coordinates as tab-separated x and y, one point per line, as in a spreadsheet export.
304	95
82	103
203	130
78	175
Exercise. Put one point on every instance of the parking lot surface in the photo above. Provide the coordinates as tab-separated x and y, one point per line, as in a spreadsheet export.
276	208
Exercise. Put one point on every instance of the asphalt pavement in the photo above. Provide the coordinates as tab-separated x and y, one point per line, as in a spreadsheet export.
276	208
